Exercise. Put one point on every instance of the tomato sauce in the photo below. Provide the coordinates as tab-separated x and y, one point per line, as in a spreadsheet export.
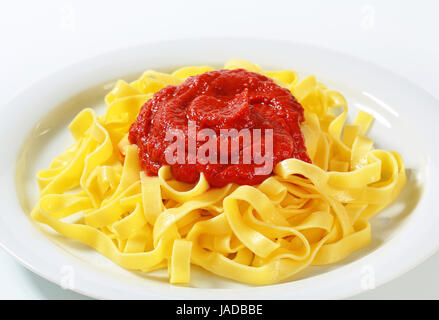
218	100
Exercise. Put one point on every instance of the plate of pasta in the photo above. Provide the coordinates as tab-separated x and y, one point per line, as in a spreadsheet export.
220	169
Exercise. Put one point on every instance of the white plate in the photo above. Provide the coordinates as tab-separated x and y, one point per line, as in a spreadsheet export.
35	129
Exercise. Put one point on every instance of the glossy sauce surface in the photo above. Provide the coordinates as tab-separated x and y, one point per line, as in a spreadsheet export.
220	100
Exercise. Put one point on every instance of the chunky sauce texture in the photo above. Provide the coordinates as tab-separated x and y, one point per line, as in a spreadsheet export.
225	99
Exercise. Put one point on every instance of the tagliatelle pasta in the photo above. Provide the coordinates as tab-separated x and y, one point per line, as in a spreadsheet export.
304	214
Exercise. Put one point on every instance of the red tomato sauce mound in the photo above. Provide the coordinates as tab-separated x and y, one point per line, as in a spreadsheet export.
225	99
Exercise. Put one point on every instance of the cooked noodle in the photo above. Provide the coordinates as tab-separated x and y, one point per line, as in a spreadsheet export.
304	214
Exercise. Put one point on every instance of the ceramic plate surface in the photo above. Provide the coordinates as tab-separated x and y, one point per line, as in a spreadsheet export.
34	130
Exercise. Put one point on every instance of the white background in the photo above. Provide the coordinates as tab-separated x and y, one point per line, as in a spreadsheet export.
40	37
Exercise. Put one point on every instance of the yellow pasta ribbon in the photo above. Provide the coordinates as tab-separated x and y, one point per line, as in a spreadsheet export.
303	215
